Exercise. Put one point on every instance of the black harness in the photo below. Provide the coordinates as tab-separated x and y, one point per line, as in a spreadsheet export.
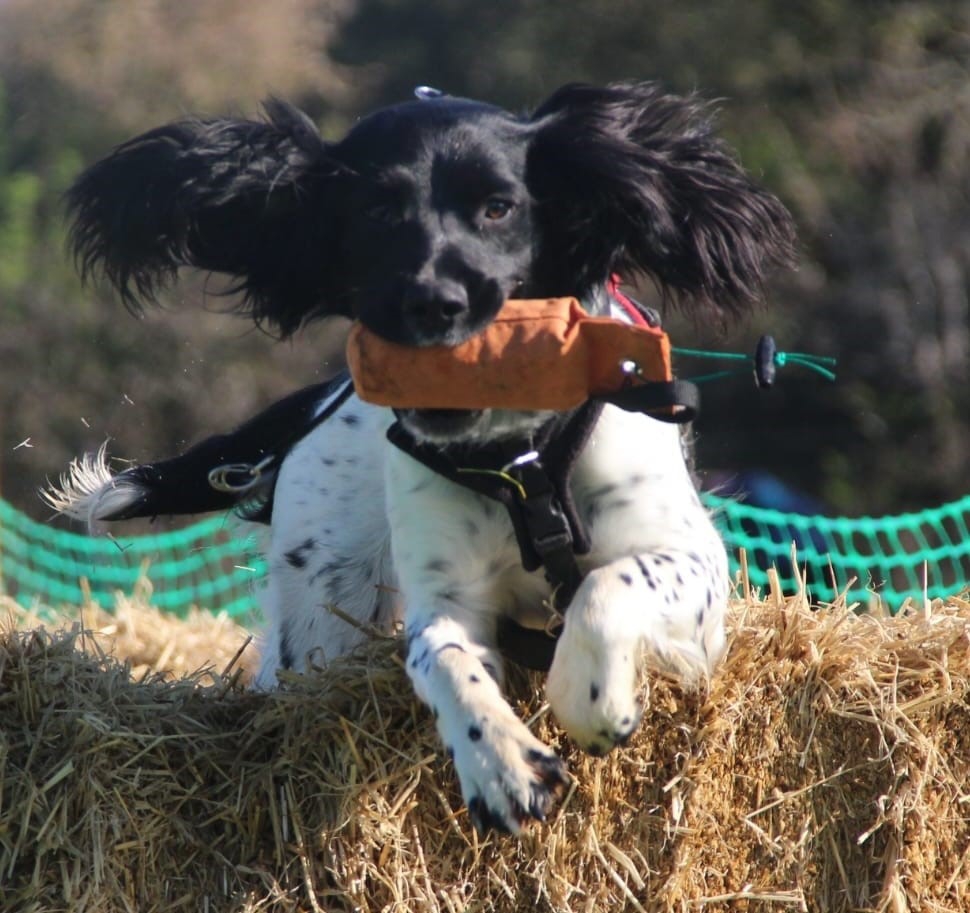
530	477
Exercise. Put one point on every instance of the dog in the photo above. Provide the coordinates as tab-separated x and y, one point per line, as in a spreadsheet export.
420	223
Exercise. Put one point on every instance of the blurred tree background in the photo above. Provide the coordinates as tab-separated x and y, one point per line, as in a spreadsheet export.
855	112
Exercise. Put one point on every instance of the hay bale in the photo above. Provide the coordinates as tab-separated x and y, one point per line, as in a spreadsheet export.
147	639
825	769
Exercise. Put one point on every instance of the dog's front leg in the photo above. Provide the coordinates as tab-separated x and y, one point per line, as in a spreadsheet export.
446	544
507	775
662	608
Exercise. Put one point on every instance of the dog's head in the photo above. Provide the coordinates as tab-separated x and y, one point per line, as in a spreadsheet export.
428	215
436	219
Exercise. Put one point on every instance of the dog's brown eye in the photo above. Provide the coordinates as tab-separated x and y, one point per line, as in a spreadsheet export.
387	213
496	209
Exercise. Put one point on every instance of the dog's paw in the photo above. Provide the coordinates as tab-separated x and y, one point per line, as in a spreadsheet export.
593	684
508	777
599	707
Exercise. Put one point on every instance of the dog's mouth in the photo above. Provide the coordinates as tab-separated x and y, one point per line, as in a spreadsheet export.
441	425
464	427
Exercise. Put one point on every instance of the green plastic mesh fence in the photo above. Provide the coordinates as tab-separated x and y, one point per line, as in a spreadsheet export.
210	565
207	564
907	555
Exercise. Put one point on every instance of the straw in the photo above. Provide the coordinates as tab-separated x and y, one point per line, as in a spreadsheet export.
825	769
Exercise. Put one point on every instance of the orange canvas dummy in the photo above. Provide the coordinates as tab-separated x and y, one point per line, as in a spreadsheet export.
536	354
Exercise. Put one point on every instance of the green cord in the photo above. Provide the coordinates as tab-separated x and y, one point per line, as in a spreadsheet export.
706	353
814	363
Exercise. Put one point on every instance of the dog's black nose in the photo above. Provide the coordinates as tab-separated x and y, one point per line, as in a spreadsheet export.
434	308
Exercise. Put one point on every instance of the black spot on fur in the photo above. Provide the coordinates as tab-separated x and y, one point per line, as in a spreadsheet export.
451	645
594	692
627	579
420	660
449	594
474	733
647	575
438	566
616	504
337	584
474	679
297	557
286	651
412	631
350	419
333	571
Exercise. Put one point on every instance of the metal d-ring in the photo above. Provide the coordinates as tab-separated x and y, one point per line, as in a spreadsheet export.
220	478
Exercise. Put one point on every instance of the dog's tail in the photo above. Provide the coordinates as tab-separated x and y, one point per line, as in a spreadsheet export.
226	471
90	492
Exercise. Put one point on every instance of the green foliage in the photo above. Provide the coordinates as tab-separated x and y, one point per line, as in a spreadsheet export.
20	195
855	112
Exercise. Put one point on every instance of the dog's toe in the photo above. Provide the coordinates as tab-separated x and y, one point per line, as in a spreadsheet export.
552	779
486	819
510	782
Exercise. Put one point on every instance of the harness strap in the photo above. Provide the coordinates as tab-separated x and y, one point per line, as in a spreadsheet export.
531	479
676	401
295	412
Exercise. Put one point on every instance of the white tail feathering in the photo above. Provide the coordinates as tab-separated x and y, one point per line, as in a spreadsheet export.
89	491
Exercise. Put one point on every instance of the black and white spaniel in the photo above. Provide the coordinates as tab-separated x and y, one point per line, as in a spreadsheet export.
420	223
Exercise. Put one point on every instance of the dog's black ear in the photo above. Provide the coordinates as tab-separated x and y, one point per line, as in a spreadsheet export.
246	198
629	179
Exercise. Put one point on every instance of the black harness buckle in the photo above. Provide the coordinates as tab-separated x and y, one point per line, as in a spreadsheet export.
549	531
